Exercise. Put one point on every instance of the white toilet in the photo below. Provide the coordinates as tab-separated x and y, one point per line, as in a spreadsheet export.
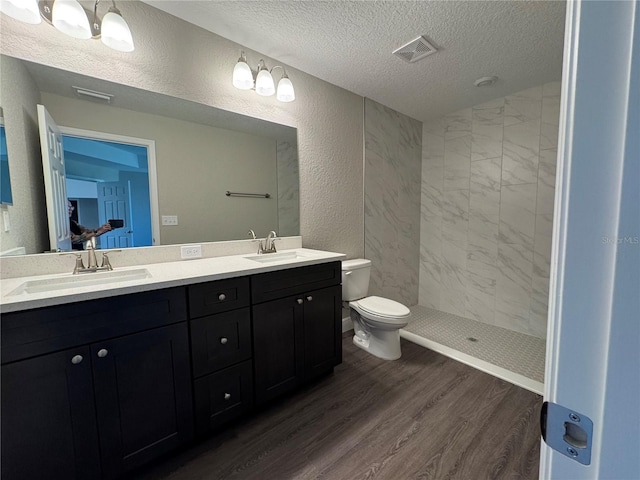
376	320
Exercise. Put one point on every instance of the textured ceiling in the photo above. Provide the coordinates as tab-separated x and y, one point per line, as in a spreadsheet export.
350	44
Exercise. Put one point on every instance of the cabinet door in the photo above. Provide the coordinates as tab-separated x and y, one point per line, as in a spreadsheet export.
322	331
222	396
143	396
48	418
278	341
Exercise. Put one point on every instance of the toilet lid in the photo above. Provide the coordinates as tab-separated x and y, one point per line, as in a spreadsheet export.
383	307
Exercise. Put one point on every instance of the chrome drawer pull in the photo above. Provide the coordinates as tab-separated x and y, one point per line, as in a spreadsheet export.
309	298
224	340
102	352
76	359
227	396
300	301
222	297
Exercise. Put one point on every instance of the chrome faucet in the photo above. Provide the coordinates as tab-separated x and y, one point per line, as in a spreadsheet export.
90	247
269	243
92	261
252	235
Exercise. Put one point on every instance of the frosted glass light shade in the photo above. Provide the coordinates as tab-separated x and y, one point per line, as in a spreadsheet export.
242	76
24	10
285	90
69	17
264	83
115	32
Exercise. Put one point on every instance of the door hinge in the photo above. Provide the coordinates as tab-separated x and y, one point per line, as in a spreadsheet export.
567	431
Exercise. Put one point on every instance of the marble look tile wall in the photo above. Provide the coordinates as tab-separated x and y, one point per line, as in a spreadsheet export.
288	189
488	178
393	150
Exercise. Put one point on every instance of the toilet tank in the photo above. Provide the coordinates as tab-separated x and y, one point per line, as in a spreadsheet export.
355	278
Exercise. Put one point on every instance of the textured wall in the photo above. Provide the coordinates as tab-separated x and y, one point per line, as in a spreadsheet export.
488	182
176	58
393	148
28	212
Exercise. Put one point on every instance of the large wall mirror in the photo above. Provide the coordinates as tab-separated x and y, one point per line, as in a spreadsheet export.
176	165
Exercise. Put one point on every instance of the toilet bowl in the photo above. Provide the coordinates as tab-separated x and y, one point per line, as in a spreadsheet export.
376	320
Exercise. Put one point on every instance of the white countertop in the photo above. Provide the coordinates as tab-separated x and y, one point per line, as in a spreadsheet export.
161	275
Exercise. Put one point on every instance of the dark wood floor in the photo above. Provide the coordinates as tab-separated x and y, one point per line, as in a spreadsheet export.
421	417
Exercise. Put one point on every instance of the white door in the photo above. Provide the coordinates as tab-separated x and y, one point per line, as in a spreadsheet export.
593	346
54	181
114	203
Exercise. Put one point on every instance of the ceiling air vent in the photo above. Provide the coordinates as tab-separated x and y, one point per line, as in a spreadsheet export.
415	50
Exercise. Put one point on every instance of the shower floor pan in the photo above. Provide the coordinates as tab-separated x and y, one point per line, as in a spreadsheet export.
512	356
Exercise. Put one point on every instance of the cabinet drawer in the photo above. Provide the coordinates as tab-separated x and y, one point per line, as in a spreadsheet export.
223	396
272	285
44	330
220	296
218	341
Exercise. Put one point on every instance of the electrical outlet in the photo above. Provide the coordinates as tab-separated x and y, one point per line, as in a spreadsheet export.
191	251
169	220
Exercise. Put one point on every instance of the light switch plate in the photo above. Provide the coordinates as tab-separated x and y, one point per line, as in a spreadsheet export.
5	220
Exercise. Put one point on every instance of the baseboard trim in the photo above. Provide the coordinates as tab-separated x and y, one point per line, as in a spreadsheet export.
347	324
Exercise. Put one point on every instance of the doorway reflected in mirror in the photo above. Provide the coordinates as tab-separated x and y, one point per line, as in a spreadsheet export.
110	180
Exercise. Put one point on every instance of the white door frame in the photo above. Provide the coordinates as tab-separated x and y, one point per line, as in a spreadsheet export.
151	159
593	342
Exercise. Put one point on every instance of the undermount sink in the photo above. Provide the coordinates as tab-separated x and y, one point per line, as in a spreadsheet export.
81	280
276	257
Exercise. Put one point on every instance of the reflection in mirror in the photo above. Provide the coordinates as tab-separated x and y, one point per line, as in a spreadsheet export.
109	183
201	152
5	180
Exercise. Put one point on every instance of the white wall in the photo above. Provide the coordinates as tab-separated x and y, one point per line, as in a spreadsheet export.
175	58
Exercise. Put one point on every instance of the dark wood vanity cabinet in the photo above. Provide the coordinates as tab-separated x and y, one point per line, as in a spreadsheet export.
296	337
97	388
220	351
107	404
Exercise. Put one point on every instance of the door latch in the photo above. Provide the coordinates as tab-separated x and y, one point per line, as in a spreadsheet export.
567	431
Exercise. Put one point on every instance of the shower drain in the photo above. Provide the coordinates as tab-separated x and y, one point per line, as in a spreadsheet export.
471	339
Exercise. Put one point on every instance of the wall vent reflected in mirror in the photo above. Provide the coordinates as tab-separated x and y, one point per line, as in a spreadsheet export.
92	94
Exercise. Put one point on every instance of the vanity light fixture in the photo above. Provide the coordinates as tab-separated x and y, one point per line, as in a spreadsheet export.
74	20
261	80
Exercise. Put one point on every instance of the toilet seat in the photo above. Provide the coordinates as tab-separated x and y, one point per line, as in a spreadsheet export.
382	310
